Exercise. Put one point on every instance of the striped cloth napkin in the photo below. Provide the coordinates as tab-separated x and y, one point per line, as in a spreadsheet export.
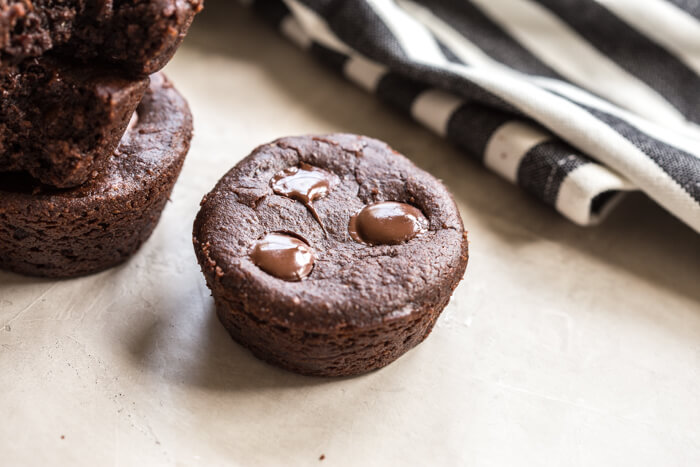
576	101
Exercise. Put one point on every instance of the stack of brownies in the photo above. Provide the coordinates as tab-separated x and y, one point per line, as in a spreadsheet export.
92	137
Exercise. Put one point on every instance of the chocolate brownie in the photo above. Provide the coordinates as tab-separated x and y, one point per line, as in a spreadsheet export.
59	122
329	255
71	232
140	35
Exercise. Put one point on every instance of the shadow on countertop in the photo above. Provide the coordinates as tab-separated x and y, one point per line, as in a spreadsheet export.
207	357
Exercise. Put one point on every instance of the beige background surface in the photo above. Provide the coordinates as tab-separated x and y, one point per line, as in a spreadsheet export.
563	345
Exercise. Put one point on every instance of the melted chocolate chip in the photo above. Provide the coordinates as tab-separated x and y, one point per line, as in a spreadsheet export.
387	223
305	184
284	256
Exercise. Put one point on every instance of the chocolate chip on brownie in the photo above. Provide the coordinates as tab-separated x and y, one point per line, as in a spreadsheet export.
51	232
305	184
139	35
59	122
329	255
387	223
284	256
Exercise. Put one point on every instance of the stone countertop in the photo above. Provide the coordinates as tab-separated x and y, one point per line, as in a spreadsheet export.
563	345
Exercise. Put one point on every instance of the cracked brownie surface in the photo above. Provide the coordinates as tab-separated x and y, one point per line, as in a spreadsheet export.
139	35
361	305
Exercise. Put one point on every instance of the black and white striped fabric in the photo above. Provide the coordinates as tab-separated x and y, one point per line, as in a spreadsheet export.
576	101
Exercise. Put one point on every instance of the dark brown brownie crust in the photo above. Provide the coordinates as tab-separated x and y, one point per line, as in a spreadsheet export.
139	35
362	306
60	122
65	233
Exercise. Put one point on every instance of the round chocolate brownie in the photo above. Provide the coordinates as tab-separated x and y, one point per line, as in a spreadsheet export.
329	255
64	233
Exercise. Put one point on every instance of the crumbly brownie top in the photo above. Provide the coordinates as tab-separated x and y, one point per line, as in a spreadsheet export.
141	35
59	122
